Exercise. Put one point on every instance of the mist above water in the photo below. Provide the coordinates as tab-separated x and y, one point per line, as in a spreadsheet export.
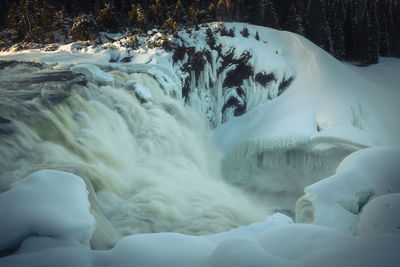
151	164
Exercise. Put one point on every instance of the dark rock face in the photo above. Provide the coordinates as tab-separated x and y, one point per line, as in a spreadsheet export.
232	72
233	102
235	77
126	59
285	83
265	78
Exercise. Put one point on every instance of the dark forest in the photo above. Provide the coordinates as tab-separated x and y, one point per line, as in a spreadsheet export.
356	30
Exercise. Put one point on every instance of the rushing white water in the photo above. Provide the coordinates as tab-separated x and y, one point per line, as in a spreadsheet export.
152	165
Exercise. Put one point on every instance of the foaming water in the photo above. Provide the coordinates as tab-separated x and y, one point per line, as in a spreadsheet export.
152	165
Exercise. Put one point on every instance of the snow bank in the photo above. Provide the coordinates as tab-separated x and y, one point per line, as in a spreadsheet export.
338	200
164	249
45	221
46	203
381	215
62	238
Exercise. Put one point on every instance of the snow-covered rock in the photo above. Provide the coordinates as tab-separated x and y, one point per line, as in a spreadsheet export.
93	73
339	200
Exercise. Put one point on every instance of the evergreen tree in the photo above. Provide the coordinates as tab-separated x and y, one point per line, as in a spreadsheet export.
221	10
141	17
351	29
132	14
395	32
362	50
212	12
13	20
60	22
318	29
108	17
245	32
373	32
256	12
337	25
240	10
270	15
5	6
294	22
350	26
124	7
179	12
161	10
84	28
384	46
170	26
367	35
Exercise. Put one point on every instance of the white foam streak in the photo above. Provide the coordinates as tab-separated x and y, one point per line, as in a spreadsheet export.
153	165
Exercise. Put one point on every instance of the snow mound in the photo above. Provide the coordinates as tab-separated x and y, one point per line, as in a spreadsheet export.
337	201
275	242
47	203
381	215
164	249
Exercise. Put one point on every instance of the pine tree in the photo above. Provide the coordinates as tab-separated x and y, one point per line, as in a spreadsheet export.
221	10
43	20
395	42
362	40
373	30
84	28
350	26
193	15
384	46
367	36
337	24
294	22
161	10
256	11
60	22
26	19
108	17
14	19
179	12
132	15
245	32
141	17
212	12
170	26
318	29
270	15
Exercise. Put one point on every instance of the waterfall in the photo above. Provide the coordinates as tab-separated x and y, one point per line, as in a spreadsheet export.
149	163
